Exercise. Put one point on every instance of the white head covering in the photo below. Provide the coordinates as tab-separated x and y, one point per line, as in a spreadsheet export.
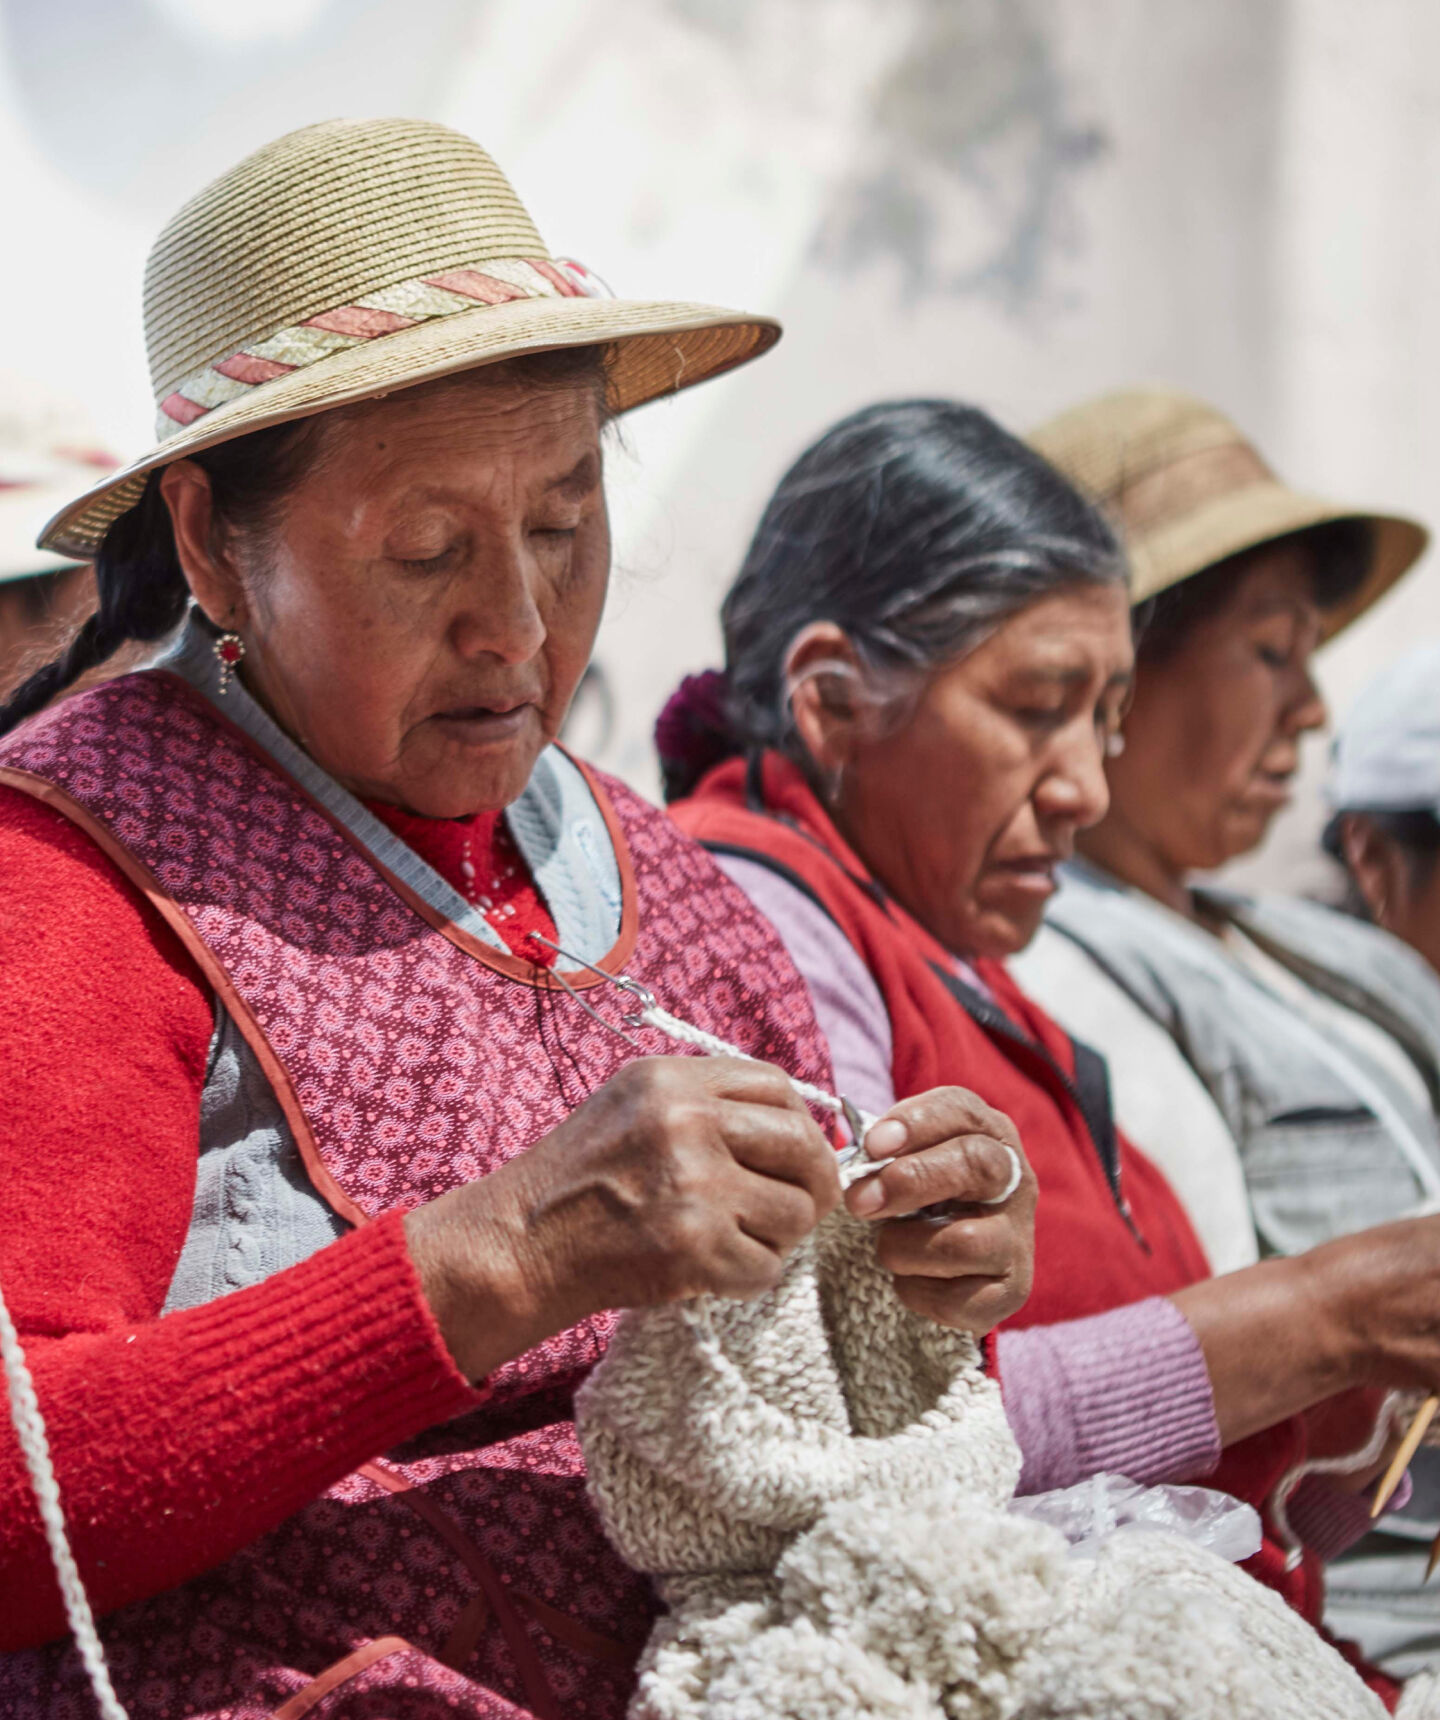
48	450
1386	753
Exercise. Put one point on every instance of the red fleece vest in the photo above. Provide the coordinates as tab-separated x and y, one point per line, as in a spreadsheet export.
1088	1257
408	1058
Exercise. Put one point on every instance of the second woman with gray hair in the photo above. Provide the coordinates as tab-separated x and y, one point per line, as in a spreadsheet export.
928	652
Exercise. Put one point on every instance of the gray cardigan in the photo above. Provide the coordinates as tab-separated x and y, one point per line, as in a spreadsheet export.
1330	1140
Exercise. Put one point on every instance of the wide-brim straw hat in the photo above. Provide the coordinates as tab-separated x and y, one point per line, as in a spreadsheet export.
359	257
48	451
1186	489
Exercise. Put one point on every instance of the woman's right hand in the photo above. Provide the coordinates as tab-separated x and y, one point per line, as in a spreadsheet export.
679	1176
1360	1311
1380	1292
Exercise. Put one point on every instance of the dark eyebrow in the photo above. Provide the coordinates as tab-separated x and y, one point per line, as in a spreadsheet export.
579	480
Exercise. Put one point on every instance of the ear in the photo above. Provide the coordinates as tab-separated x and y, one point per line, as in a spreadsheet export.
823	681
209	570
1376	865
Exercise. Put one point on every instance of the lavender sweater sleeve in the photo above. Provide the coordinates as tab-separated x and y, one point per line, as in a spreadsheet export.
1125	1391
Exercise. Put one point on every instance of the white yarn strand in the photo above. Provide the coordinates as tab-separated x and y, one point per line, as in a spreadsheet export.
35	1447
713	1046
851	1159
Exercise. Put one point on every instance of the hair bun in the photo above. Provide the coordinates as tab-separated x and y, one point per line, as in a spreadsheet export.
693	733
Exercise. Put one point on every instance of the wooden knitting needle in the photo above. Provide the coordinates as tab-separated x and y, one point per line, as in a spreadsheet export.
1408	1447
1434	1558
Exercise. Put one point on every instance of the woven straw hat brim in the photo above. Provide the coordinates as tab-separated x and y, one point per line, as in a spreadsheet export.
1259	514
655	348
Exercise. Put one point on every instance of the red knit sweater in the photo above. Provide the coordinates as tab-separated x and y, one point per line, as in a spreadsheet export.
176	1441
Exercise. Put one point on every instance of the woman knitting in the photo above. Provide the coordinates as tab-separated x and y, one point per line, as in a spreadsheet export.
290	902
928	655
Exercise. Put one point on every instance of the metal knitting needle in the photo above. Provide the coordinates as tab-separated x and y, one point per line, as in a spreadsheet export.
589	1009
623	980
1398	1464
850	1159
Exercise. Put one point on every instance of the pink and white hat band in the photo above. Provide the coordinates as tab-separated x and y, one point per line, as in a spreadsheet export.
496	281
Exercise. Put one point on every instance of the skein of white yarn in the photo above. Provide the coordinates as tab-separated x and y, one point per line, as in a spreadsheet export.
35	1448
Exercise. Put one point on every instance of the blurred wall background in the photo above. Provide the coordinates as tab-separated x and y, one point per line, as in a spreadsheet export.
1013	201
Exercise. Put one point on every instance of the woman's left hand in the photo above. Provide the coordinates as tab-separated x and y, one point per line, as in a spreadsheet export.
970	1270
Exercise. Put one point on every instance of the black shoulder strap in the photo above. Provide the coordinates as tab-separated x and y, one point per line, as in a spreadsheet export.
758	857
1089	1087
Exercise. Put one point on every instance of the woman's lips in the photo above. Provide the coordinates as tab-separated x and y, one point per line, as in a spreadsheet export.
1034	875
482	726
1271	791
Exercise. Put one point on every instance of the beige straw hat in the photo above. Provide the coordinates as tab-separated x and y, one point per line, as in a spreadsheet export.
1187	490
358	257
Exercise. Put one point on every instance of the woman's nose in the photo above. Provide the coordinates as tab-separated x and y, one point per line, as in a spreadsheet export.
1307	710
1075	791
500	617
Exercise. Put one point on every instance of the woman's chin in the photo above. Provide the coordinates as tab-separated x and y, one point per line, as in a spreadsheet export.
997	934
449	792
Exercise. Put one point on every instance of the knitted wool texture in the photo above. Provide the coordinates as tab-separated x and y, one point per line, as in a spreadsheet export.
816	1482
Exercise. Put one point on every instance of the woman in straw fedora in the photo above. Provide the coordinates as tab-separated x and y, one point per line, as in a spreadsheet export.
1279	1060
291	902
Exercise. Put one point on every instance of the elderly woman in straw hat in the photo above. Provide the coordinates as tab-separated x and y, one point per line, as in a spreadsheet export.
1279	1060
289	905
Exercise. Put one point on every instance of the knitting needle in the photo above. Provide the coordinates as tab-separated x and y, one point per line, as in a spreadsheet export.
1398	1464
850	1160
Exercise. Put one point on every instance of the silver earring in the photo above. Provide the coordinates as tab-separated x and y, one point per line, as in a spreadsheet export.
1114	745
229	649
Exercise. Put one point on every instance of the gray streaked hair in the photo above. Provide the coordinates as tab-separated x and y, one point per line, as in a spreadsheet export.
917	527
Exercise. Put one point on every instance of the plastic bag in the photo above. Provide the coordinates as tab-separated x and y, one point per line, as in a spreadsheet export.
1089	1513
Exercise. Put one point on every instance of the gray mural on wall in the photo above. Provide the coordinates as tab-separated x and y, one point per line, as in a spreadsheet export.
968	175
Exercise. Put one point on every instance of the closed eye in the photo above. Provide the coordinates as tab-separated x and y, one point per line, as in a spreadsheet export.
430	563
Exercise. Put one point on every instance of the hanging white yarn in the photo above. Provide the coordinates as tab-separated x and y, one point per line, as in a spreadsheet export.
713	1046
35	1447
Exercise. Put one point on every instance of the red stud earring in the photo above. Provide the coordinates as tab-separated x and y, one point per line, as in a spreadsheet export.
229	649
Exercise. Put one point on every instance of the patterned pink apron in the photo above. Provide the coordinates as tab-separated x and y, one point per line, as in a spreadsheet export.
466	1574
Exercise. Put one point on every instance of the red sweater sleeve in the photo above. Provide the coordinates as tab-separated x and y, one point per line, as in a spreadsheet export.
218	1422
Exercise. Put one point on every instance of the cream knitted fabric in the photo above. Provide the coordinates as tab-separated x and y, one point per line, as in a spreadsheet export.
817	1480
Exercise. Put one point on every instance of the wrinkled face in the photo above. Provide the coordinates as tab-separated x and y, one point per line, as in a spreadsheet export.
965	812
1212	739
421	615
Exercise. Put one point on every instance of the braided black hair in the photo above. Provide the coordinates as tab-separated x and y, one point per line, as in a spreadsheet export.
138	578
143	594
